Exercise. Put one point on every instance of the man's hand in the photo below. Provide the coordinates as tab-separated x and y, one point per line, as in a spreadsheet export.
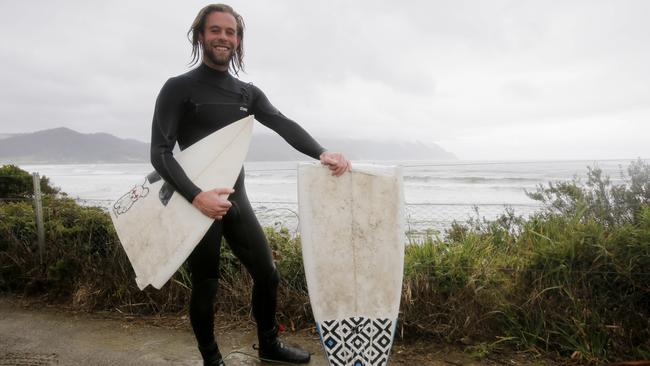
214	203
337	163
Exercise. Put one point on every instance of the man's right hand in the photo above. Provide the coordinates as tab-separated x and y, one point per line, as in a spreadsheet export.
213	203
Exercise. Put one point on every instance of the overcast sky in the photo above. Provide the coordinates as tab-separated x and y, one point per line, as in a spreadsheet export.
483	79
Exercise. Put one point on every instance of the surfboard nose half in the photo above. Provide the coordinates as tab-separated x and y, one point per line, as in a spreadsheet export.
159	234
352	236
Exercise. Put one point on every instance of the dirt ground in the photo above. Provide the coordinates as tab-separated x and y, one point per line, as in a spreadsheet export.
32	334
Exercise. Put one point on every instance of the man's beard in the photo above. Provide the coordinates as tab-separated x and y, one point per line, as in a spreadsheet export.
215	58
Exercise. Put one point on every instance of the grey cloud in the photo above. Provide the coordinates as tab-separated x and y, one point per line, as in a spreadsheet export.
520	90
423	68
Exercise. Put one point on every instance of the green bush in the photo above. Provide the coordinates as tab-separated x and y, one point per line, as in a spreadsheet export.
17	183
598	198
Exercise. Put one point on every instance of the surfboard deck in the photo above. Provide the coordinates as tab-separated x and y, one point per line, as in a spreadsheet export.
353	250
159	228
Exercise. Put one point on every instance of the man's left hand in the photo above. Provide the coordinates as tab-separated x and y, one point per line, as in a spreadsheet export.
336	162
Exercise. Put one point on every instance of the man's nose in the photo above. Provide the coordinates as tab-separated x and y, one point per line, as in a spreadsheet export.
222	35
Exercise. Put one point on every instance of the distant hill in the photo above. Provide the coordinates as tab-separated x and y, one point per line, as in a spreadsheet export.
63	145
268	147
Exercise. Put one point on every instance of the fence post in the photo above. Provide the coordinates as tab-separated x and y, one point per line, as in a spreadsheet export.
38	206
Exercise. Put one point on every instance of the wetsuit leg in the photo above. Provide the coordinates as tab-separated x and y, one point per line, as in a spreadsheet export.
204	269
248	242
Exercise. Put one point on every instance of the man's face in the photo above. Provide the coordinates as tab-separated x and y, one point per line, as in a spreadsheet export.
219	39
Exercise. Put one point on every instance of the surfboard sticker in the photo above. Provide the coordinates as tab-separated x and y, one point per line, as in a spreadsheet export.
353	249
157	227
124	203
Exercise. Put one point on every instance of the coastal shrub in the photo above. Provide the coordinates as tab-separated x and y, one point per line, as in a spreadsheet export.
598	198
588	268
16	183
82	260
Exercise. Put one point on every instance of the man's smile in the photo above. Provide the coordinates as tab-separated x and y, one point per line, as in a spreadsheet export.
221	47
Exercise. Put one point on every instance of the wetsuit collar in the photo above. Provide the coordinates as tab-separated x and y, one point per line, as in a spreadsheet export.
210	73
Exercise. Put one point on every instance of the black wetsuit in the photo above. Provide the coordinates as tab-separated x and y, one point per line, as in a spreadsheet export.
190	107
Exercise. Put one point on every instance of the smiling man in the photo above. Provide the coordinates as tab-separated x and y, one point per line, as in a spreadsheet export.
192	106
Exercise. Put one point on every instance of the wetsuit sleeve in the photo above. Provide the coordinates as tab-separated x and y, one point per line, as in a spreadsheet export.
167	115
295	135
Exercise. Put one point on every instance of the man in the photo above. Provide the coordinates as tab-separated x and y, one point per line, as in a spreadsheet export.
190	107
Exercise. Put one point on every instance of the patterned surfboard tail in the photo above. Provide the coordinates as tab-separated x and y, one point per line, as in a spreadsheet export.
357	341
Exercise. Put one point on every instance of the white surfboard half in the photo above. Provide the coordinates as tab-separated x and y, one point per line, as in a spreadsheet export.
352	233
158	229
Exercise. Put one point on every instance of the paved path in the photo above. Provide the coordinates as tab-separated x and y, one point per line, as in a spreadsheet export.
49	336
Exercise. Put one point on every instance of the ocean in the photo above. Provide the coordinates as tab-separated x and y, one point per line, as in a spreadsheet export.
436	192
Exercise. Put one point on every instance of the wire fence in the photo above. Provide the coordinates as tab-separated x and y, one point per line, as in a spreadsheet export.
420	219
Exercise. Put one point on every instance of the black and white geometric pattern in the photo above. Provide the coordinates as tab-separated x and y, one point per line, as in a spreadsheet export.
357	341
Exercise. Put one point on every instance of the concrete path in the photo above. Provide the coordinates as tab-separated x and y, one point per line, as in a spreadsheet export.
50	336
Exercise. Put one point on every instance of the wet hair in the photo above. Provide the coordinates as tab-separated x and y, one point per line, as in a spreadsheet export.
198	26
